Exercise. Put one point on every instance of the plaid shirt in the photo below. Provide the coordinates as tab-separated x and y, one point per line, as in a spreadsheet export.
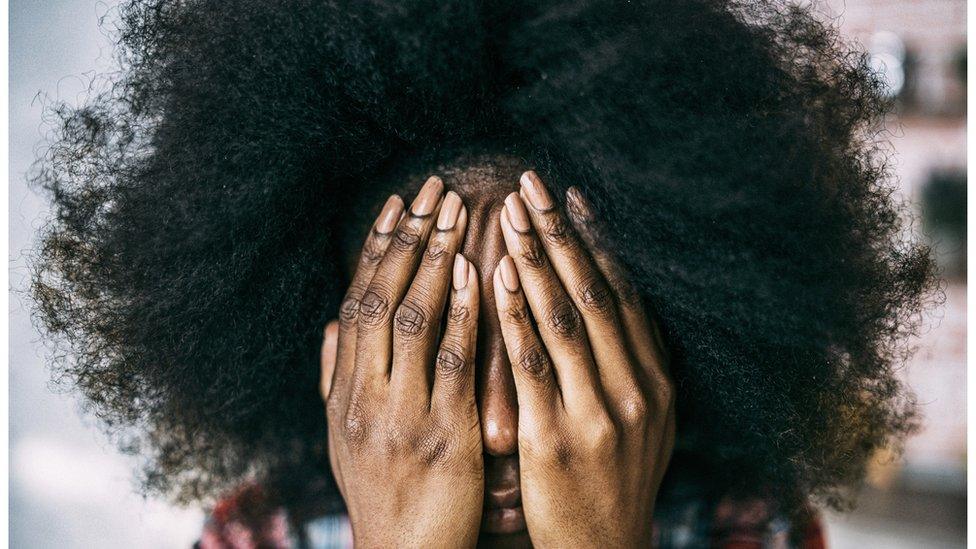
694	524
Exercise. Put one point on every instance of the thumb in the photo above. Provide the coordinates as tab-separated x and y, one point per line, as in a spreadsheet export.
329	350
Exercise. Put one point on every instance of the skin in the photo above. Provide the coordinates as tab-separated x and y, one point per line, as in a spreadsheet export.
542	415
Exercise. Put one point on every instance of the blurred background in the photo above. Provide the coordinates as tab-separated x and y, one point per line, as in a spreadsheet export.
920	47
70	488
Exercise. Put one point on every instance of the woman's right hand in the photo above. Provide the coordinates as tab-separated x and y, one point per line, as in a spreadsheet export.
404	436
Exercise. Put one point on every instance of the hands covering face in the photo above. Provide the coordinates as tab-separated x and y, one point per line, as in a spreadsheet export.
596	408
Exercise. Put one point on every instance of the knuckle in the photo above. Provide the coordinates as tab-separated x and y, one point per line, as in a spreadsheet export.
349	310
406	239
633	409
410	321
437	252
600	435
356	425
373	308
533	361
533	254
595	295
450	362
459	313
517	313
374	249
564	320
556	230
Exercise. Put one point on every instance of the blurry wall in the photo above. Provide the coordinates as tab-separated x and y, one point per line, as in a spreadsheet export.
69	488
919	46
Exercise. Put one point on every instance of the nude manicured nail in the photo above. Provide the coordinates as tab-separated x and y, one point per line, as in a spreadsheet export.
535	191
509	274
460	272
450	210
427	199
577	205
517	214
390	216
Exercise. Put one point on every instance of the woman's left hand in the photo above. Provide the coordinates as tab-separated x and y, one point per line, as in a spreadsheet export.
596	405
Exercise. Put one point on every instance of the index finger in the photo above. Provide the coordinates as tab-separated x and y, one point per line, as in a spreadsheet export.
374	248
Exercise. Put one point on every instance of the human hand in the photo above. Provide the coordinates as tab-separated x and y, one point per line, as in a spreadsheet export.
596	405
404	437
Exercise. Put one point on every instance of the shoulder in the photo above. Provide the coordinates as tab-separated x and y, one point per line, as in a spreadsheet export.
246	519
735	524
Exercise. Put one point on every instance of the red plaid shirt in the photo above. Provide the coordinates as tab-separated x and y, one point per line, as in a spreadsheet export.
728	524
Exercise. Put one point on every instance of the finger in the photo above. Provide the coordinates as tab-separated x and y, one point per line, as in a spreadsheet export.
643	336
390	282
377	242
453	391
558	320
336	386
538	394
329	352
587	287
417	322
330	348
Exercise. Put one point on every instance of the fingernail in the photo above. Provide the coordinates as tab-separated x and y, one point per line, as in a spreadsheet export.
450	210
577	205
472	272
517	214
509	275
331	331
536	191
460	272
427	199
390	216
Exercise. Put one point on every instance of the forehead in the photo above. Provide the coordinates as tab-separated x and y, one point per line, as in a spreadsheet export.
482	182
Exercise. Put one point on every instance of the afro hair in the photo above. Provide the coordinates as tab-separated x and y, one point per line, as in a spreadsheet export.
731	148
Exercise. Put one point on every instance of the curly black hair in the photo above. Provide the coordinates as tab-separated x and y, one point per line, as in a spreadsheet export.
731	148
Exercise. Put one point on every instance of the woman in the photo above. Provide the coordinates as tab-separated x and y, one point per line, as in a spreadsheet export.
649	288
